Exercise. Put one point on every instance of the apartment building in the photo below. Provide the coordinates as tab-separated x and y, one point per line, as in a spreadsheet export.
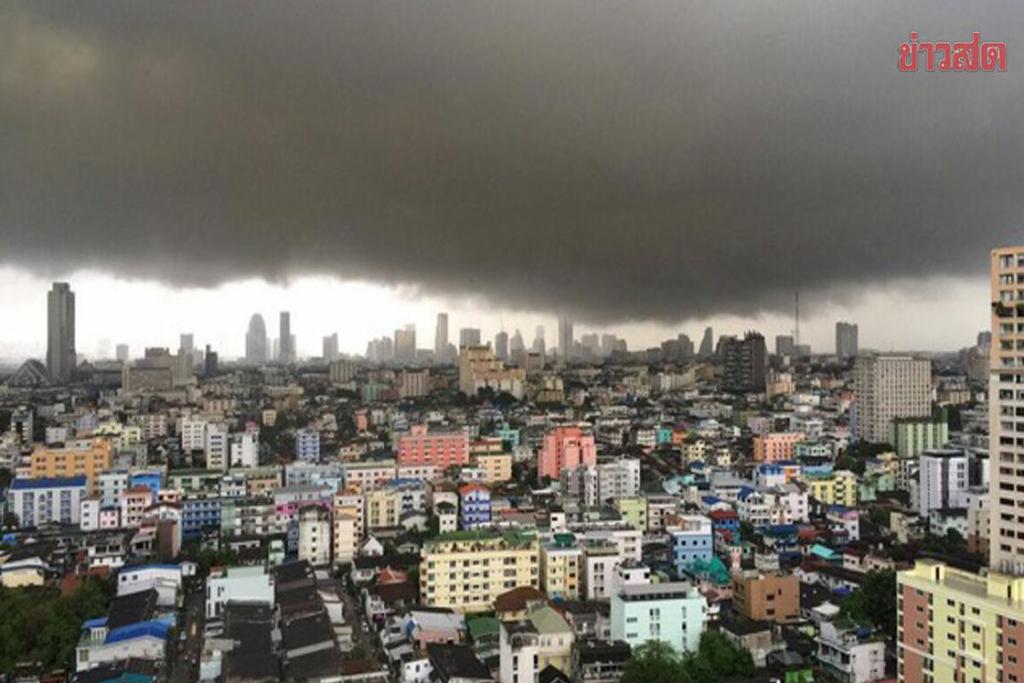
465	571
82	457
767	597
1006	412
955	625
566	448
423	446
887	387
673	612
561	571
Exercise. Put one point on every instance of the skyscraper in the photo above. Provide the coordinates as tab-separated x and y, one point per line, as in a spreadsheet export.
565	339
886	387
784	345
1006	445
256	350
538	341
122	353
469	336
846	340
441	338
285	340
707	344
405	343
60	332
516	344
501	345
209	362
330	347
187	344
744	363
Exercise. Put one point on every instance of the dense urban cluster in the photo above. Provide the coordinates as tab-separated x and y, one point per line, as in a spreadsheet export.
516	513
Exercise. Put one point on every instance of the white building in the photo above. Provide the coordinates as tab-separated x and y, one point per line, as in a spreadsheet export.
89	515
245	449
846	658
47	500
944	480
216	445
241	584
887	387
315	535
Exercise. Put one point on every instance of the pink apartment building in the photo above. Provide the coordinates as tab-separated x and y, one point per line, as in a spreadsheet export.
776	446
441	449
565	448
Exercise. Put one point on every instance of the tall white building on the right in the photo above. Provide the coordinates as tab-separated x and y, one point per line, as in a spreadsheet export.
1006	413
886	387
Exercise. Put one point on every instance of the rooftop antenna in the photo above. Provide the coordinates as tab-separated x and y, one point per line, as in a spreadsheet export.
796	330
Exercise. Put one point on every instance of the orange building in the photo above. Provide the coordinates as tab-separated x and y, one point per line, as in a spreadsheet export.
83	457
776	446
767	597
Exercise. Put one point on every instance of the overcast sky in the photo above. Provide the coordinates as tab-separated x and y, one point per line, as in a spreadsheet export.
644	167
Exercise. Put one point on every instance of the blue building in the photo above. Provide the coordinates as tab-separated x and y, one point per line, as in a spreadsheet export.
199	515
151	480
691	540
307	445
474	506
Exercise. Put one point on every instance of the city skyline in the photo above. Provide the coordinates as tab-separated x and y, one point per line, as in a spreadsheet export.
180	312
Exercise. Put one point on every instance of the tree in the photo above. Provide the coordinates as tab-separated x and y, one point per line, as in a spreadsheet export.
654	662
39	624
715	659
874	602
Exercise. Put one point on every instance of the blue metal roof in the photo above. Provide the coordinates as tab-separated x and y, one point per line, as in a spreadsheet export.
154	629
22	484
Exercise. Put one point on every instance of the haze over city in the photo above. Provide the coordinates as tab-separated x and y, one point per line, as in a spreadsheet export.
531	341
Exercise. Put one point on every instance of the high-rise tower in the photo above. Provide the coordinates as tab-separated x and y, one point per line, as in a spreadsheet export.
1006	421
256	350
60	332
441	338
286	342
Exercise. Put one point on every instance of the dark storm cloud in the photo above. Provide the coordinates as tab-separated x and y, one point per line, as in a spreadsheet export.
619	160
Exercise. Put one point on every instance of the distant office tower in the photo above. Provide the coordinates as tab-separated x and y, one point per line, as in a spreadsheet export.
745	363
256	341
469	336
984	338
380	350
565	340
285	340
846	340
60	333
517	345
441	338
187	344
678	349
210	361
330	347
538	341
886	387
707	344
501	345
122	353
784	345
608	344
1006	424
405	344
